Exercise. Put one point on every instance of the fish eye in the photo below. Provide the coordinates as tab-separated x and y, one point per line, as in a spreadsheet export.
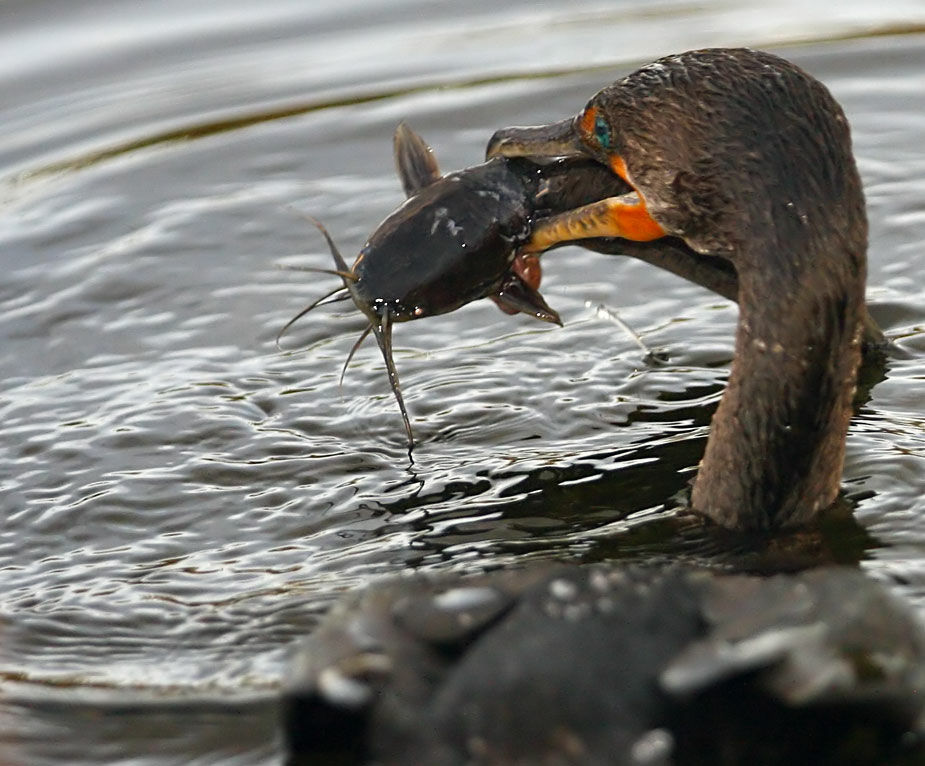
602	131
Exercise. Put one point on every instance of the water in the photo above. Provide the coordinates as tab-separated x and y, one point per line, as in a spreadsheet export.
181	500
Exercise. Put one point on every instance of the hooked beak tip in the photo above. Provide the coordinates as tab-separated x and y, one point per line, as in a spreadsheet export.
558	139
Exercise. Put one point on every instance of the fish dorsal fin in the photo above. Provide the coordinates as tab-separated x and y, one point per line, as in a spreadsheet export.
414	160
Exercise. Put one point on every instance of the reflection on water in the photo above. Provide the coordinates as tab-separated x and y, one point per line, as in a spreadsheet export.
180	500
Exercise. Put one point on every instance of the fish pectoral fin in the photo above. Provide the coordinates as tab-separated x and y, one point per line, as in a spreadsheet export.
414	159
517	297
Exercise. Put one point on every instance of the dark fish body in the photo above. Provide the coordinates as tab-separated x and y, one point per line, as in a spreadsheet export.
456	237
451	243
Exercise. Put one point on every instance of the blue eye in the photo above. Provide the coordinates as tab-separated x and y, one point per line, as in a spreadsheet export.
602	131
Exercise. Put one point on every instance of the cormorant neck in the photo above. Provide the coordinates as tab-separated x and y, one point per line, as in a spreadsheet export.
777	442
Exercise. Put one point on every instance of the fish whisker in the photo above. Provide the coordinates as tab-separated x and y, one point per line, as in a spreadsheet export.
383	333
322	301
353	350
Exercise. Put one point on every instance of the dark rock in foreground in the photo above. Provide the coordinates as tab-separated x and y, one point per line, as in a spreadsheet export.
605	665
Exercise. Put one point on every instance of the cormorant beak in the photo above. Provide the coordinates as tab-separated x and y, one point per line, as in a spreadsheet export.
560	139
623	217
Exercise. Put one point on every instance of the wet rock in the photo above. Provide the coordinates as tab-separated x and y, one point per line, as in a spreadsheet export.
613	665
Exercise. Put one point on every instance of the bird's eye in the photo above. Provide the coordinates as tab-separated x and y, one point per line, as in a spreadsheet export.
602	131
